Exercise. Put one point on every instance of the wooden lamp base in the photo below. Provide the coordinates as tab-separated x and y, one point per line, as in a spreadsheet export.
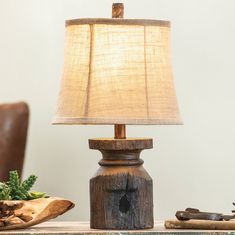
121	191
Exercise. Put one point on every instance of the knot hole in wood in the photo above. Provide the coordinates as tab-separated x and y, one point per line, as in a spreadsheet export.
124	204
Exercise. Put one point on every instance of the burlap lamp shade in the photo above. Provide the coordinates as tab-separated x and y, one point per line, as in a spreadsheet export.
117	71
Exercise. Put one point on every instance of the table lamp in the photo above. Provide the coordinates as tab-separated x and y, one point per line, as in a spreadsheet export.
118	72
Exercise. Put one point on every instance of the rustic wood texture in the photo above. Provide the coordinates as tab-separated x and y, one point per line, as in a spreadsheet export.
121	191
23	214
121	144
13	132
200	224
119	131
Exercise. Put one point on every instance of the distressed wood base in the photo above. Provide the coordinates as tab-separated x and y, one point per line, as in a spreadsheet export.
121	191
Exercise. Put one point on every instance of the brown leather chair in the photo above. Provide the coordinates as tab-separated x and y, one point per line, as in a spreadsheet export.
13	133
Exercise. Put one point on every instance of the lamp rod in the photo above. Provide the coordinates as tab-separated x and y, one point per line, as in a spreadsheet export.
119	129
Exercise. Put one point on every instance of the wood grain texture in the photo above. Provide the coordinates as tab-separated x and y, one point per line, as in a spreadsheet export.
121	199
121	144
121	191
200	224
23	214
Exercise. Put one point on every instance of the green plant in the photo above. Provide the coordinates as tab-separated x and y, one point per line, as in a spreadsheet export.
4	192
14	189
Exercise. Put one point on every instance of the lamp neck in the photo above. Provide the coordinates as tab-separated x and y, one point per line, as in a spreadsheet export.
119	131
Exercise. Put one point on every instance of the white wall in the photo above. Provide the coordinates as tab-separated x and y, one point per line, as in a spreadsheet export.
192	165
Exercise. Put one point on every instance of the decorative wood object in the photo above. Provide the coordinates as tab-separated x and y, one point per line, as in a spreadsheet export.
117	10
121	191
13	132
23	214
196	214
200	224
118	71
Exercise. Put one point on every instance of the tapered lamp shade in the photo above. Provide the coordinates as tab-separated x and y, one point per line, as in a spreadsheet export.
117	71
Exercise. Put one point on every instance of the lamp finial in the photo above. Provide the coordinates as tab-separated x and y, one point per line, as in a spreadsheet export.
117	10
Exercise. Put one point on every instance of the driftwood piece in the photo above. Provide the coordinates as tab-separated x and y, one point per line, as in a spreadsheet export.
200	224
23	214
13	131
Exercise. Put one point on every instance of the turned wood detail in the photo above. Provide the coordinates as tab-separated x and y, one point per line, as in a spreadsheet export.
120	158
120	152
121	144
121	191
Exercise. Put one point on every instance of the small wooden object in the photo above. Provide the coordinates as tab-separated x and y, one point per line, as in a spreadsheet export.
200	224
23	214
121	191
117	10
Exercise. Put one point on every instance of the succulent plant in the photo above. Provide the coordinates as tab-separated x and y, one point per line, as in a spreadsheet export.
14	189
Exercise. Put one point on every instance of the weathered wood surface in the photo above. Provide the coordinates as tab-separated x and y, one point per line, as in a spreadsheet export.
121	191
83	228
13	132
200	224
23	214
121	144
121	199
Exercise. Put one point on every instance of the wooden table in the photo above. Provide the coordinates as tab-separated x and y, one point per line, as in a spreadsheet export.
82	228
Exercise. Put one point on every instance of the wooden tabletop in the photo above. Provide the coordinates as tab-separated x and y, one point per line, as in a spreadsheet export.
82	228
